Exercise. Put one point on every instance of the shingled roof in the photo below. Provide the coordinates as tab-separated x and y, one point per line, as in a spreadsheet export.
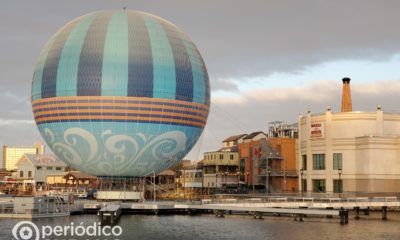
234	138
79	175
43	160
253	134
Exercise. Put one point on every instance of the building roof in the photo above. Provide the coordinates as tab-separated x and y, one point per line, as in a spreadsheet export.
43	160
166	173
234	138
253	134
79	175
228	149
60	174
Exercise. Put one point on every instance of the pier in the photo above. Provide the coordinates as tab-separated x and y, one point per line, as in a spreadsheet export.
295	207
109	214
298	208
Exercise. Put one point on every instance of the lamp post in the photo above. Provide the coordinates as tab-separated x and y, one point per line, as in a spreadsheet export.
216	181
284	172
266	181
247	179
301	182
226	178
238	178
340	181
154	186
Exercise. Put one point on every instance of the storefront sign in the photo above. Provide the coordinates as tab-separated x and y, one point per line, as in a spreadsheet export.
317	130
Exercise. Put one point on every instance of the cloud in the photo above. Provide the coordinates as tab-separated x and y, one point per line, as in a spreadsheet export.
248	41
251	111
15	122
378	87
223	84
315	92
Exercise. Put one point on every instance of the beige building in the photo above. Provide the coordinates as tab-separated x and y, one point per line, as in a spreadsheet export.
220	167
37	167
349	151
11	155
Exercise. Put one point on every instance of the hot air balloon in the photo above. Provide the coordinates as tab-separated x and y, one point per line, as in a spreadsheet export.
120	93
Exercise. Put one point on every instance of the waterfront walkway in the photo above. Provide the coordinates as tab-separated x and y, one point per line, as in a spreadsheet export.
297	207
258	207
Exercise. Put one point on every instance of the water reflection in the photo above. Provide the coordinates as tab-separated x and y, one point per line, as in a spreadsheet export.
232	227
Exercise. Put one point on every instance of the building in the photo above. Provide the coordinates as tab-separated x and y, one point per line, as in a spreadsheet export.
220	168
11	155
285	172
190	181
37	167
349	151
269	162
254	136
230	144
280	129
247	167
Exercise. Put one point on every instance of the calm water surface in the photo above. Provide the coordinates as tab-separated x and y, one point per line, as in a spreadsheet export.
231	227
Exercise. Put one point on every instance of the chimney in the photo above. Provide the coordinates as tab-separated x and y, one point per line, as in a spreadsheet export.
346	96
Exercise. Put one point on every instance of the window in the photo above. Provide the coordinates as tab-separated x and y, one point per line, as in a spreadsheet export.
318	185
58	168
21	174
304	162
231	156
337	161
29	173
337	186
221	156
49	168
318	161
38	167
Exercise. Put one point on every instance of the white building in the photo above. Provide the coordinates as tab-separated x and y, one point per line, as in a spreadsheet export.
37	167
192	178
349	151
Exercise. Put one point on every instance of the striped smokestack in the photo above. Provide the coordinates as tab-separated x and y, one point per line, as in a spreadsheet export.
346	96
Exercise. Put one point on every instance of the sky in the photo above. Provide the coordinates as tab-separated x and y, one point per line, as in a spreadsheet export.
267	60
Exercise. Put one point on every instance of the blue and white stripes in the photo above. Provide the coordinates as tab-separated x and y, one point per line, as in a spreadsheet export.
121	53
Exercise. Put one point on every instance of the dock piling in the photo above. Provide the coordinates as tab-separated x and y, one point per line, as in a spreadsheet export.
384	213
366	211
344	216
356	213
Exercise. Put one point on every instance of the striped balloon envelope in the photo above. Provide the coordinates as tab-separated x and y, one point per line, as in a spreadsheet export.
120	93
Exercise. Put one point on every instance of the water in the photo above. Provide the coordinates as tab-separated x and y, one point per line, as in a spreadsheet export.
184	227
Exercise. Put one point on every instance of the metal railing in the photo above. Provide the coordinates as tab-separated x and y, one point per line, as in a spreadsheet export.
279	173
287	199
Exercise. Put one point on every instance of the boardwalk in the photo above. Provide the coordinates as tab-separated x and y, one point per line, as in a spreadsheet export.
296	207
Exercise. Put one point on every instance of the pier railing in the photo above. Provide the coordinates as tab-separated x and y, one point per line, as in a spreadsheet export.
32	207
284	199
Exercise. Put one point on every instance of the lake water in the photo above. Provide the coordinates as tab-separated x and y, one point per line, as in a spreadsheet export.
242	227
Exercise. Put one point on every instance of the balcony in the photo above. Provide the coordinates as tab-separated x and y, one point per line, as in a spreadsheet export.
279	173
